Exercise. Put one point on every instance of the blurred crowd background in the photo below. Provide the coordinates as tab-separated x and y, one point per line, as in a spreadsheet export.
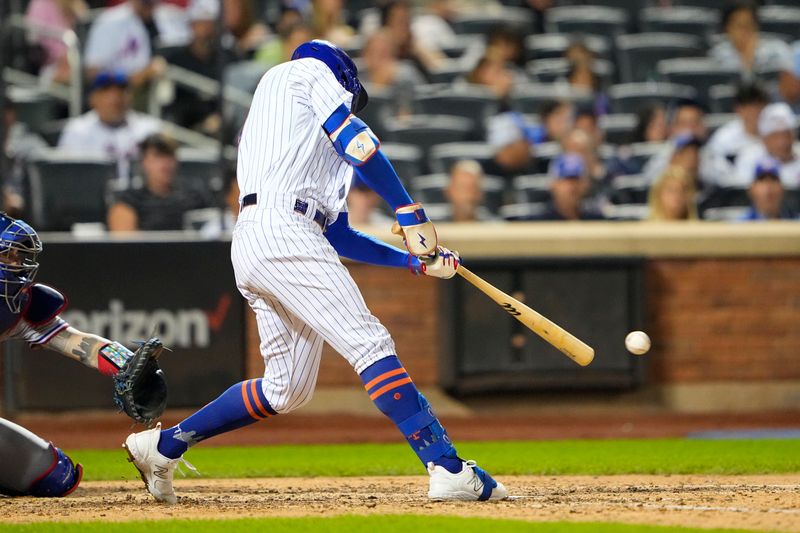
123	115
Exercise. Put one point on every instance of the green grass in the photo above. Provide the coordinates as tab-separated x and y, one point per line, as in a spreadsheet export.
352	524
667	456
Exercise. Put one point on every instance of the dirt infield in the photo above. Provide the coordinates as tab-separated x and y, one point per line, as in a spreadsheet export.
760	503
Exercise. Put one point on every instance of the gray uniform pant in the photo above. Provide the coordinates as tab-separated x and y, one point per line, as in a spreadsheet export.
24	457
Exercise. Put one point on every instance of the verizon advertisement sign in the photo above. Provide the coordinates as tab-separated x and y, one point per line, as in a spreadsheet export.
182	292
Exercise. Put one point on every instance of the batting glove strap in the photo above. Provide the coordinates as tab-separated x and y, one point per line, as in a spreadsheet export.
419	233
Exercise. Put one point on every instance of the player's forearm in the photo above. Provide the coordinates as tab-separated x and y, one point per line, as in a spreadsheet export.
380	176
92	350
358	246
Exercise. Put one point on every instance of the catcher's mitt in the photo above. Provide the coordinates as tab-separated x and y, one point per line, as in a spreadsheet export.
140	388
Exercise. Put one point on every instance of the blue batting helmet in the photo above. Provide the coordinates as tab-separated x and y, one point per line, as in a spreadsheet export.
19	248
340	64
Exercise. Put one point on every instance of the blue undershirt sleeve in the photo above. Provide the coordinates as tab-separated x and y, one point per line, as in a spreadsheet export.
358	246
379	174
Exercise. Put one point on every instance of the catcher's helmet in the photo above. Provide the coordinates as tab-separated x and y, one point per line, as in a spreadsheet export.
19	248
340	64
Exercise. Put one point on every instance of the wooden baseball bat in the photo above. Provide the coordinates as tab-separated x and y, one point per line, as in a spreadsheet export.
563	340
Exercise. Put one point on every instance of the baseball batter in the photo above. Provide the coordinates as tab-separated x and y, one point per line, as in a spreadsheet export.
299	148
29	465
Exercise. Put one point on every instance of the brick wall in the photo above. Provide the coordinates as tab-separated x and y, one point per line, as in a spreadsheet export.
716	319
710	320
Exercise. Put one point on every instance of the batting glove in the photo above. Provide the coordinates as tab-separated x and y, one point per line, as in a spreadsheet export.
443	264
418	232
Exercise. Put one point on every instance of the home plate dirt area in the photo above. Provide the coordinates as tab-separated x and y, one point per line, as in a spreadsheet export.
759	503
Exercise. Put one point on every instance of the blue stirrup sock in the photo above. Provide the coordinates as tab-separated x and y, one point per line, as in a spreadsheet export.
390	387
241	405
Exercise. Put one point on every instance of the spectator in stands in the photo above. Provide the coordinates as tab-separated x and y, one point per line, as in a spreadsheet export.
505	43
363	206
582	76
767	193
160	204
190	108
511	136
279	50
121	39
776	127
744	49
741	133
110	127
396	19
568	190
245	33
578	141
432	29
464	191
382	70
651	125
56	15
673	196
328	22
495	75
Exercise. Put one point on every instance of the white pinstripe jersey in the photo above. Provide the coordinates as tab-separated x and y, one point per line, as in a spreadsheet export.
283	148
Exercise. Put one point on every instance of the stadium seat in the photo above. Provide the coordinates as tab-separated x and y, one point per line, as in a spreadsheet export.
530	97
549	70
552	45
483	20
698	72
696	21
522	211
68	188
470	102
618	127
715	120
543	154
448	73
625	211
640	153
725	214
201	172
721	98
442	156
425	131
531	188
599	20
780	19
35	108
708	4
631	189
630	97
406	160
461	44
724	197
639	53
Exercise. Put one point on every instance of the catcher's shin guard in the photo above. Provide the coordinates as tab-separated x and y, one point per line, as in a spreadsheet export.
390	387
60	479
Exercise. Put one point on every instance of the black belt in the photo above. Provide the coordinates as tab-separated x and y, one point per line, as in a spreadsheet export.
299	206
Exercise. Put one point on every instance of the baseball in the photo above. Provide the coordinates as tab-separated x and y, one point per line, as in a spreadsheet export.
637	342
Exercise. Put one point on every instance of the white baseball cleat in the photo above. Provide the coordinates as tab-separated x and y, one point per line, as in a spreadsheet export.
156	470
472	483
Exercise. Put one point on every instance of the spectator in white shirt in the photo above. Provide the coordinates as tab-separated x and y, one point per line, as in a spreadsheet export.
121	38
776	127
741	132
110	127
744	49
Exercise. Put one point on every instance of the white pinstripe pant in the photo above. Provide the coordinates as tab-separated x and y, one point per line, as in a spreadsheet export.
302	295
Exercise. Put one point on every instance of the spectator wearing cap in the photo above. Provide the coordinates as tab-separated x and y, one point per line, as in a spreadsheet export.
464	192
189	108
160	204
673	196
110	127
744	49
363	206
776	128
741	133
18	145
568	189
121	38
766	194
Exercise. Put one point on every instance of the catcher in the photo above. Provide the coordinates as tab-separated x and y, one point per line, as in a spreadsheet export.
29	465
